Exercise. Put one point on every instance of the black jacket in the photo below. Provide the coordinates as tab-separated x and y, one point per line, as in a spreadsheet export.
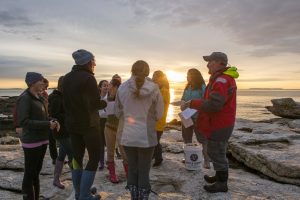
33	118
56	110
81	100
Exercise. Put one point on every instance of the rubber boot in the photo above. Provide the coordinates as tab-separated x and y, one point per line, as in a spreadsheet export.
57	172
221	183
210	179
76	179
112	172
134	192
87	180
125	165
144	193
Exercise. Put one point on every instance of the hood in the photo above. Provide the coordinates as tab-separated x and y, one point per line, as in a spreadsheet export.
80	67
232	72
146	90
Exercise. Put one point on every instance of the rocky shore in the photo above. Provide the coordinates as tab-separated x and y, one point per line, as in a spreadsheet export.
264	164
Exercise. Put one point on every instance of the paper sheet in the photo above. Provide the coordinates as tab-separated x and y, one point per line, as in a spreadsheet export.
185	117
188	113
186	122
110	109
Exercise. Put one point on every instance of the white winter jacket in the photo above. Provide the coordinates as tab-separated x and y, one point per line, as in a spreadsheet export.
138	115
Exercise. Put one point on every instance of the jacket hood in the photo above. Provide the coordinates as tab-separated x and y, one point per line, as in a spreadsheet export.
146	90
232	72
81	67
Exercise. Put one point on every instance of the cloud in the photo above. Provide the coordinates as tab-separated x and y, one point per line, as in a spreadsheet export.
268	27
17	66
16	21
16	18
267	79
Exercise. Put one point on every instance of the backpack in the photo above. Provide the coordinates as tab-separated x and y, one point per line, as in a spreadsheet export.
15	109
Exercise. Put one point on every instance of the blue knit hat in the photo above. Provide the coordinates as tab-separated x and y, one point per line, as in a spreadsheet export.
33	77
82	56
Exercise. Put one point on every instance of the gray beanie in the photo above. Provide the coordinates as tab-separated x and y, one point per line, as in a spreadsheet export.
33	77
82	56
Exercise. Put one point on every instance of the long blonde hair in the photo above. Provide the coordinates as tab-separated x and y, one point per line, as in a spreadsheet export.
160	75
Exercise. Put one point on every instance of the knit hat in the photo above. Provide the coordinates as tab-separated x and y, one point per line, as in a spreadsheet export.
82	56
33	77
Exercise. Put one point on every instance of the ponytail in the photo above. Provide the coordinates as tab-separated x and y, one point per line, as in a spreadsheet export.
140	69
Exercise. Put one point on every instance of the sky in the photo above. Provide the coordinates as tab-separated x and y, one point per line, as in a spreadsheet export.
261	38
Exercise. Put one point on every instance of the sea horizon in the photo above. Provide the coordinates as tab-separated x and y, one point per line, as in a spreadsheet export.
250	102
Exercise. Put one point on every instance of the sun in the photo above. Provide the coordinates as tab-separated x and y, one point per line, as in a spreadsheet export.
175	76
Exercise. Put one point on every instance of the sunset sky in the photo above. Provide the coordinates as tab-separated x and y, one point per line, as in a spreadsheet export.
261	38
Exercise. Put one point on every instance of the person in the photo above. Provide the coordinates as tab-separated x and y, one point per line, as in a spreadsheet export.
161	80
118	154
139	105
194	89
110	131
56	110
35	123
217	112
52	141
82	103
103	89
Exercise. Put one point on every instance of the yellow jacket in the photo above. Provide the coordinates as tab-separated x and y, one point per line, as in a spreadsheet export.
160	125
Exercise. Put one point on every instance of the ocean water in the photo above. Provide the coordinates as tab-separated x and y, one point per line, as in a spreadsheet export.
250	102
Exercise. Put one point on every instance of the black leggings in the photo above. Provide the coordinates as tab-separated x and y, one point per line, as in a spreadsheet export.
33	165
91	141
139	164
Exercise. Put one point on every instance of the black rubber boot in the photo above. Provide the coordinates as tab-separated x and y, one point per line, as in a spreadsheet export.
221	183
210	179
144	193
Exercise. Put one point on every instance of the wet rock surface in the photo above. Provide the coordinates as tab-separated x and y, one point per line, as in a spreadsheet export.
271	149
170	180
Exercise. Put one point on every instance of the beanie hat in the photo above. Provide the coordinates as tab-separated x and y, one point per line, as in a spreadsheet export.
33	77
82	56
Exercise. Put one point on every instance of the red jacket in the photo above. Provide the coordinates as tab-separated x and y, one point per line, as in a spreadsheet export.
217	109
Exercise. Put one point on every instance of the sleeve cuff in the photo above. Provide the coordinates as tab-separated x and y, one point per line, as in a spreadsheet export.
196	104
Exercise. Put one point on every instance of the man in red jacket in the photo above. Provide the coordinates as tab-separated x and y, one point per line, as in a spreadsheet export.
217	111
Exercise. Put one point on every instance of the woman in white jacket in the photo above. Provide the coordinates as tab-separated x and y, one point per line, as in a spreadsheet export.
139	105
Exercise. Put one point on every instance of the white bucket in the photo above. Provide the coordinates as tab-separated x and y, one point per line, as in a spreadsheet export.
193	156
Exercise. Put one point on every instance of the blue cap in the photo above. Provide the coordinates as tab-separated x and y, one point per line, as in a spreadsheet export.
82	56
33	77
